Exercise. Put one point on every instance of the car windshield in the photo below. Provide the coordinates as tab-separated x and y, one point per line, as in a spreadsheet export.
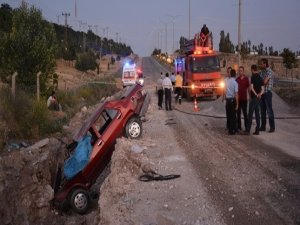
205	64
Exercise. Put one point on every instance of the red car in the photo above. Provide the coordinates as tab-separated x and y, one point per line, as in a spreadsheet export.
95	142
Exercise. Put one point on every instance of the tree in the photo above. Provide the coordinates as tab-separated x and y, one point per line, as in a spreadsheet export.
225	44
5	18
86	61
289	60
29	48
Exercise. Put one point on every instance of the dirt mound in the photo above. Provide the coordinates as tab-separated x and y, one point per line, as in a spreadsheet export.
25	184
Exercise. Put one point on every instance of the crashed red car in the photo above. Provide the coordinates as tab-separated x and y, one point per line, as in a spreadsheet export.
110	121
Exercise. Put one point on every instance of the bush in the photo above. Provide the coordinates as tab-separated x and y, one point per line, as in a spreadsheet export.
30	119
86	61
26	117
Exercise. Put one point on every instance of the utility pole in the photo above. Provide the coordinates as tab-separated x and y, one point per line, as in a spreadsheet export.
173	23
66	28
239	32
117	37
96	28
57	18
189	19
107	32
83	36
23	3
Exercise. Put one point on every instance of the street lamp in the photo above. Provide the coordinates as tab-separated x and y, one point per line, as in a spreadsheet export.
189	19
173	23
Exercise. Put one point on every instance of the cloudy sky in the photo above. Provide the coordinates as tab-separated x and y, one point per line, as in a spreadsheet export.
146	24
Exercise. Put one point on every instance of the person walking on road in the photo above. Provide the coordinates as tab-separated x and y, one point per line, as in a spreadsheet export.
243	82
229	68
266	104
257	90
160	90
173	79
167	86
231	96
178	87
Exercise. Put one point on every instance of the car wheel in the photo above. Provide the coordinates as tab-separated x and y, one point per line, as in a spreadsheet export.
133	128
79	201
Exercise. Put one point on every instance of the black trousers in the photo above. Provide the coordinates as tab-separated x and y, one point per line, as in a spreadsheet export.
243	105
231	115
168	98
178	91
160	94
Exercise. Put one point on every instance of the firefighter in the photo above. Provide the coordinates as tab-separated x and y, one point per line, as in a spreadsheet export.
178	87
204	33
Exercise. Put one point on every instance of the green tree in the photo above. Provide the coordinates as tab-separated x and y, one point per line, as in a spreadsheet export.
225	44
289	60
29	48
5	18
86	61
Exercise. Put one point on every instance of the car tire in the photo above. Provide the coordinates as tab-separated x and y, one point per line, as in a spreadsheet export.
133	128
79	201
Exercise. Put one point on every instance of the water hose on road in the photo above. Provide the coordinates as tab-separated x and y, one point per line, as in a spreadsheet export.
224	117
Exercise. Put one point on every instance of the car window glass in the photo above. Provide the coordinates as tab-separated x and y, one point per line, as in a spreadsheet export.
105	119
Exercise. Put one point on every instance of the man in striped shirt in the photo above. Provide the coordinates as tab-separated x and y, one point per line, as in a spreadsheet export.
266	104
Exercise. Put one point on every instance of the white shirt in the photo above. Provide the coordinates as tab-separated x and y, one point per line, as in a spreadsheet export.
231	87
159	84
173	78
167	83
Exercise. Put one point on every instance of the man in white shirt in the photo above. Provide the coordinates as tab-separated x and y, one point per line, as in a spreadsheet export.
160	90
167	86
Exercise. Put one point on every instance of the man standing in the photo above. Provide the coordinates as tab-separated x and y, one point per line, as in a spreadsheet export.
266	104
178	87
225	81
231	96
257	89
243	83
173	79
167	86
160	91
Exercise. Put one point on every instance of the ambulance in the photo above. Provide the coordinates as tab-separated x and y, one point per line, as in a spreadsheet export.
131	75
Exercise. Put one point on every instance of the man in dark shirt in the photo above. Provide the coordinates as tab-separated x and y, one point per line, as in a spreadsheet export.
257	89
204	35
243	82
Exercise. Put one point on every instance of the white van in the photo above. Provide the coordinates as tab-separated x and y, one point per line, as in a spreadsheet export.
131	75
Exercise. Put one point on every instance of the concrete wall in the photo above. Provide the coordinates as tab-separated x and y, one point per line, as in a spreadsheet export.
274	61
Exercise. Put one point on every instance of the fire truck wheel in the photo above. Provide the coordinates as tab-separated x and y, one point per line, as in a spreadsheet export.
133	128
79	201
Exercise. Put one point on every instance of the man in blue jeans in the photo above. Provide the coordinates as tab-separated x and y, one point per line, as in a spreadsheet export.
257	90
266	103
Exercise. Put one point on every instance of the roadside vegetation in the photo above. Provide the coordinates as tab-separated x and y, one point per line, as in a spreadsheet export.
30	46
290	93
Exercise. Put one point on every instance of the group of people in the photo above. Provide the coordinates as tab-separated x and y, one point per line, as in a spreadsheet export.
166	86
259	89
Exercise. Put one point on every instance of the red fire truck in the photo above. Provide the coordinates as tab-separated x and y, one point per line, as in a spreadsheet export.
200	67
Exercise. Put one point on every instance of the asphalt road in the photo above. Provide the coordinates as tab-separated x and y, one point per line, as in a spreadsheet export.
249	179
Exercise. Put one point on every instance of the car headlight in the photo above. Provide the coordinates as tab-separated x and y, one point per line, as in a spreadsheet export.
193	86
222	84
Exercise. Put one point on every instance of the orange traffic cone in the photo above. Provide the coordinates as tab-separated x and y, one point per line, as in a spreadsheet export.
196	108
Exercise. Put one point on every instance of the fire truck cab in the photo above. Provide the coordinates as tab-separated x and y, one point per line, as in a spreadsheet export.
201	70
